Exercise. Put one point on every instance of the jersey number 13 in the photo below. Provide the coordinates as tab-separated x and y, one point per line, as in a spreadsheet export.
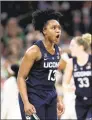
51	75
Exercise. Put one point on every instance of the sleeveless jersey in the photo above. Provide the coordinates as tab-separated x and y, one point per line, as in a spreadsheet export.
83	78
42	74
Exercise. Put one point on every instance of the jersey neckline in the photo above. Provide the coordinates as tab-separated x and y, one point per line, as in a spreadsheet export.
48	51
85	63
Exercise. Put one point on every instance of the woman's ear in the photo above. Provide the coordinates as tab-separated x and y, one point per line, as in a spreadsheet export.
82	47
44	30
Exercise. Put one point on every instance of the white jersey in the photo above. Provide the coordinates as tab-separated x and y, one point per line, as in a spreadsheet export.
10	106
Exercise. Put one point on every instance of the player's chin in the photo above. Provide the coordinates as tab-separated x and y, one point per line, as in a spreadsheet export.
56	41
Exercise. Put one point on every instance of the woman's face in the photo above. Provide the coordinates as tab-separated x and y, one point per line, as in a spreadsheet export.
74	48
52	31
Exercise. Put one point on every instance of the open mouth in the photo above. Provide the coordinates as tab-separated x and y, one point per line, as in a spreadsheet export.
57	36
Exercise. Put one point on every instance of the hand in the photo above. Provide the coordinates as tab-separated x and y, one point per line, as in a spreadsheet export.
29	109
60	109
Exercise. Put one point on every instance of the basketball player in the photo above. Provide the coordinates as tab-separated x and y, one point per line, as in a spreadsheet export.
81	69
38	94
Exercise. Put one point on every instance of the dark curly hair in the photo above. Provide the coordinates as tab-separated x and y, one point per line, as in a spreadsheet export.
40	18
15	69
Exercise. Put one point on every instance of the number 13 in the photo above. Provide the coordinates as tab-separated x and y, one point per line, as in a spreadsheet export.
50	75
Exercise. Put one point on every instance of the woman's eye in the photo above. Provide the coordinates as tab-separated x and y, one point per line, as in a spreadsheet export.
54	28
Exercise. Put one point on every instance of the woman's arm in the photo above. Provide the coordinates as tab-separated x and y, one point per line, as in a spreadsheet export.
33	54
68	73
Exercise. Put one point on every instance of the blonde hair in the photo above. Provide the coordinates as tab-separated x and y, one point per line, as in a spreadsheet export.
87	38
84	40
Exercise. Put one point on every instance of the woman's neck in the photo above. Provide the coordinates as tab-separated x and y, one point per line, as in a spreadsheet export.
49	45
82	57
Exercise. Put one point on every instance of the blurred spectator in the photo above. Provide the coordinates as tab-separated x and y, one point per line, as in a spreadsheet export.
38	35
10	96
4	15
2	47
31	38
1	31
86	8
76	25
14	47
10	55
77	33
55	5
43	5
13	30
65	6
65	39
87	24
87	17
30	28
12	42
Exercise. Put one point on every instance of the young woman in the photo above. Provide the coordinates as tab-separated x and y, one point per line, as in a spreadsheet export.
36	75
81	69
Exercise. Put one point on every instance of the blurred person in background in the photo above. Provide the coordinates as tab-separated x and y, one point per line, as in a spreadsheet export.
14	50
36	77
80	67
11	55
65	38
13	41
2	43
10	105
43	5
1	31
55	5
87	24
76	25
13	30
77	33
31	38
87	17
86	8
29	28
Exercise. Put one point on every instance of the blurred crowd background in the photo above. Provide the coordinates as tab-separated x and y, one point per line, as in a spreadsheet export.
17	32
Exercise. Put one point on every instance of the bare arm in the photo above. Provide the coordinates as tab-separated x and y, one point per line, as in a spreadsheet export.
61	65
63	61
60	105
32	54
68	73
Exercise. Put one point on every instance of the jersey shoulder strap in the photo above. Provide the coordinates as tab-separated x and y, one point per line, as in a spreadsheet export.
41	47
